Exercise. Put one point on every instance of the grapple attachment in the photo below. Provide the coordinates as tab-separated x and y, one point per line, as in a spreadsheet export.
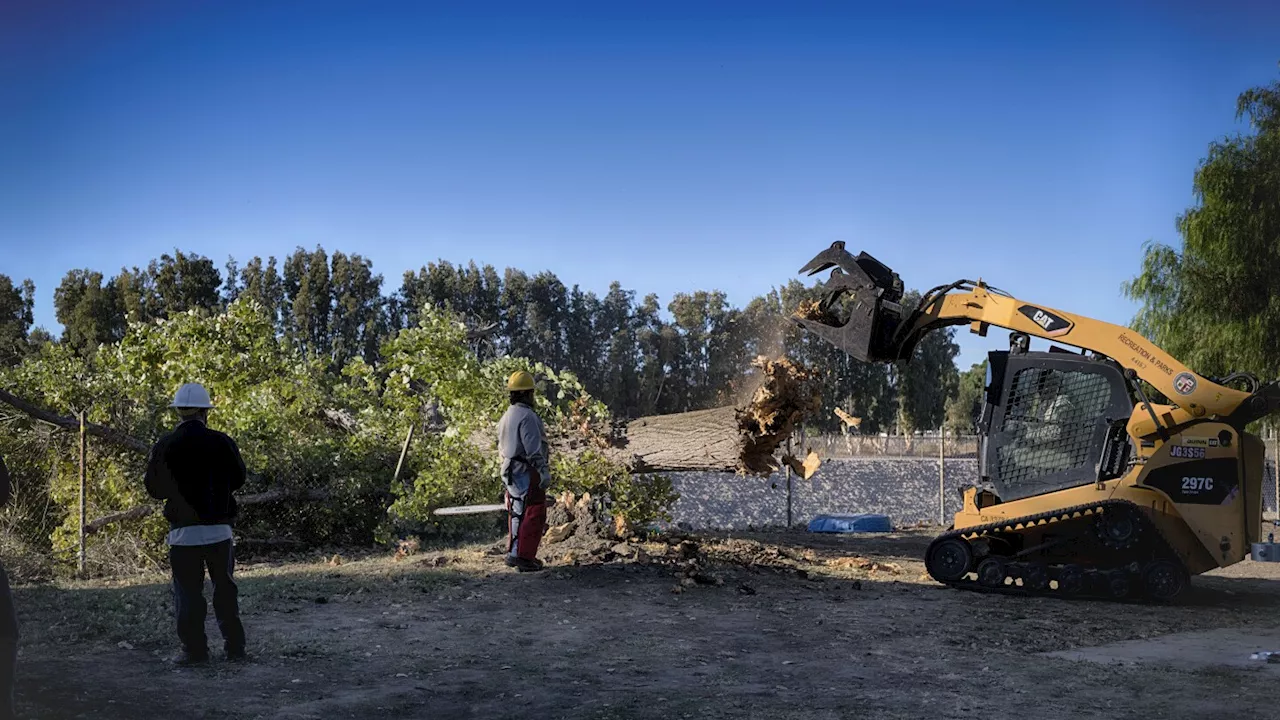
869	333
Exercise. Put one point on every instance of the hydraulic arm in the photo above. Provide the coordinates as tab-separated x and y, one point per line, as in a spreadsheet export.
880	329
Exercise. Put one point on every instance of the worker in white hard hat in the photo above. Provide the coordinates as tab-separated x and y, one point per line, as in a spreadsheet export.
526	474
195	470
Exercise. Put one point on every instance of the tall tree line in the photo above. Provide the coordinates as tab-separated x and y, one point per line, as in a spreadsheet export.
1211	300
627	351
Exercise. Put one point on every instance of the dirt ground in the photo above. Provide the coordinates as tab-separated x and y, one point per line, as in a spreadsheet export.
454	634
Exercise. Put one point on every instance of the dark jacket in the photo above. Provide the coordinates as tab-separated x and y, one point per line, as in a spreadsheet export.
194	469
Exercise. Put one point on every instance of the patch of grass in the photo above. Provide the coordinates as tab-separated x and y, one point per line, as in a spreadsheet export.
141	615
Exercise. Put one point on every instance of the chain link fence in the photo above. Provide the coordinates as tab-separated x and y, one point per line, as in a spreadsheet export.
914	480
863	446
1270	488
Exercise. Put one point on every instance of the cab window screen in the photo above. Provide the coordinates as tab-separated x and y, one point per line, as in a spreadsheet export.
1049	424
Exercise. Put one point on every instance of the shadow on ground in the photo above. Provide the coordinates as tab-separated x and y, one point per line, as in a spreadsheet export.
455	634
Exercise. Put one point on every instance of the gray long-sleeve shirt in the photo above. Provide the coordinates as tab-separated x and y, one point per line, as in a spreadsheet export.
522	444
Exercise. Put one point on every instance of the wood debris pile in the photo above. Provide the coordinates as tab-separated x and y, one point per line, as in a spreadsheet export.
865	565
575	531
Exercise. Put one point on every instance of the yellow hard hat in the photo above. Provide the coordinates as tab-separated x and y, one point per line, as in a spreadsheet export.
520	380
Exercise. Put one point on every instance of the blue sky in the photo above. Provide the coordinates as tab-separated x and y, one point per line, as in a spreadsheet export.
670	146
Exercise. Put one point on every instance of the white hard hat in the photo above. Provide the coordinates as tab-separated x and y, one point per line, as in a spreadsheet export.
191	395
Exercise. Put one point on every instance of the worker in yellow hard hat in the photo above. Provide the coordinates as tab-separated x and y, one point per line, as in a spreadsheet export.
526	473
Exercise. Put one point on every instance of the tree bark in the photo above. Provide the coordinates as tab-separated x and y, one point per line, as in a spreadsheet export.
136	513
701	440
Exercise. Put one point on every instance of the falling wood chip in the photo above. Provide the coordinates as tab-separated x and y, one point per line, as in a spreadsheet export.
849	420
621	528
804	469
811	465
559	533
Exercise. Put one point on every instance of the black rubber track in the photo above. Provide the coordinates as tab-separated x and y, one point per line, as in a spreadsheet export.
1152	546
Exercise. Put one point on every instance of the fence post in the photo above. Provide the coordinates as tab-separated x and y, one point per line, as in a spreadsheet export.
788	471
404	452
942	476
83	478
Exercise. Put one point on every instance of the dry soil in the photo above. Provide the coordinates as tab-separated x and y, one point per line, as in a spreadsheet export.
818	627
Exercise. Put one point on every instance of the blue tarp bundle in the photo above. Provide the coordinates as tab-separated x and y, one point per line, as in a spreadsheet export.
866	522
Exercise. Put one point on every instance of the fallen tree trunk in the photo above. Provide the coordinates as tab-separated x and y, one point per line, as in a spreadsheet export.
699	440
741	439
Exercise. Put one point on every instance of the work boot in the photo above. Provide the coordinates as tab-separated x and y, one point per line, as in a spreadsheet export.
236	655
189	659
523	565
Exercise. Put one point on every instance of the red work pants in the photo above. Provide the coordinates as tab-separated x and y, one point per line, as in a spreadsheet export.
526	520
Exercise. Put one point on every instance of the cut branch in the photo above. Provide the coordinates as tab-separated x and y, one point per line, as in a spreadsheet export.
482	332
136	513
71	423
273	495
270	544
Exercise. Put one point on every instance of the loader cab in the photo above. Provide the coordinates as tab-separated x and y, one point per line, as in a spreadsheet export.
1051	421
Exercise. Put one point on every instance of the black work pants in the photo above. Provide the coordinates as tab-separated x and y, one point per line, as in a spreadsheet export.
189	563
